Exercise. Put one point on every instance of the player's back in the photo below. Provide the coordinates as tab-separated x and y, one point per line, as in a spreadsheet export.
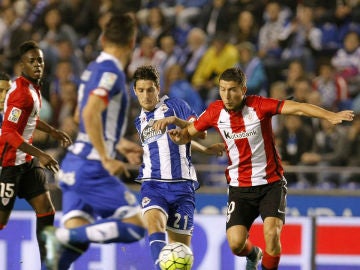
105	79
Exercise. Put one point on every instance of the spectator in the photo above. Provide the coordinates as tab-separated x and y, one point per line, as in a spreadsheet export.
253	68
245	29
195	48
177	86
332	88
218	57
293	140
347	64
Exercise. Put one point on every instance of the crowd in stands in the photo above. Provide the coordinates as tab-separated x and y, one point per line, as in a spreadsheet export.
306	50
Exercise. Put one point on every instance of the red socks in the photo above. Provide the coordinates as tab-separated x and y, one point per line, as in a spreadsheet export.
270	262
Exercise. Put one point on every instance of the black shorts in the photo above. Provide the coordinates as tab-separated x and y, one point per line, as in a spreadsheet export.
245	204
26	181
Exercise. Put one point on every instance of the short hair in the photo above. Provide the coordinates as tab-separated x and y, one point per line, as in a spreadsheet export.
4	76
234	74
28	46
120	29
147	73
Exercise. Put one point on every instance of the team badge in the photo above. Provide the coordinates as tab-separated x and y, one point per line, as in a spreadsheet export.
5	201
163	108
14	115
145	201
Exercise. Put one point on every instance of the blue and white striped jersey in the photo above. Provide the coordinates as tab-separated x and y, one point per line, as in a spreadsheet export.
105	78
163	160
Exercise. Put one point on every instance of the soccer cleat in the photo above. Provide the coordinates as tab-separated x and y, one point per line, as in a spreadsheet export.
253	264
52	245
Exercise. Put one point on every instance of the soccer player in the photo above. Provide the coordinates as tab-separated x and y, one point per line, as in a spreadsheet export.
255	175
21	173
167	174
97	207
5	82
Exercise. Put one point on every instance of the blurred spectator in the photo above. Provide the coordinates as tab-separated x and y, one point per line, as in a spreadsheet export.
302	88
294	139
187	12
215	17
172	51
177	86
253	68
301	39
294	73
155	25
327	150
245	29
277	90
218	57
332	88
352	181
347	64
195	48
147	53
268	44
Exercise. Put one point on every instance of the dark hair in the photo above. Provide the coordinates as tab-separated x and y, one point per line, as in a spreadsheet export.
4	76
234	74
27	46
120	29
147	73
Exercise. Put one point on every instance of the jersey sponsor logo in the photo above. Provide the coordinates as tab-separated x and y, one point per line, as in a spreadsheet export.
14	115
145	201
241	135
149	134
107	80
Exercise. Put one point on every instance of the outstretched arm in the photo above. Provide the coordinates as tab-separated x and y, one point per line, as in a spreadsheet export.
310	110
61	136
216	149
184	135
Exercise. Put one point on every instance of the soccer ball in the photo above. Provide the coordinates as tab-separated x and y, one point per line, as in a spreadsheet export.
176	256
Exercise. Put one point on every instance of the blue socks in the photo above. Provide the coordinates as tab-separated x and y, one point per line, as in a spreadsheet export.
157	241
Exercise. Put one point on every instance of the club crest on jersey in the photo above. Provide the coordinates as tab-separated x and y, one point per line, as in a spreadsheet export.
163	108
5	201
145	201
149	134
14	115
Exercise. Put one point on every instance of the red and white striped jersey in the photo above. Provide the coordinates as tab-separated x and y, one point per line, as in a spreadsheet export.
22	107
247	133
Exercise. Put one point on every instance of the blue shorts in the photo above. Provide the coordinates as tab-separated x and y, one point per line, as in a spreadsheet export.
89	191
175	199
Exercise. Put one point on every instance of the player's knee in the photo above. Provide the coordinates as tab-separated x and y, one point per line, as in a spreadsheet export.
236	245
2	226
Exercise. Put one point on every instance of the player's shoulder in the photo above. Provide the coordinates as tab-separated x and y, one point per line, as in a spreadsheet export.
216	105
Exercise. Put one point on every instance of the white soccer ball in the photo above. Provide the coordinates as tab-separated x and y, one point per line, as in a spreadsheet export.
176	256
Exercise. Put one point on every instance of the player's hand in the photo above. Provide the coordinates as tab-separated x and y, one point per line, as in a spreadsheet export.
216	149
64	139
130	150
49	162
115	167
339	117
161	124
175	135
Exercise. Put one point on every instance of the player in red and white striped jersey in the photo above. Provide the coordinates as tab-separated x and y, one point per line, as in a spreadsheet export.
21	174
255	175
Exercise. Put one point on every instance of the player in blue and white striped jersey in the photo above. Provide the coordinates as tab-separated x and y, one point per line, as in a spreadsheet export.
97	206
167	174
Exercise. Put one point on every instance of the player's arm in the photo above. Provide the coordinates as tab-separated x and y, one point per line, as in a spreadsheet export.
61	136
130	150
216	149
92	118
184	135
310	110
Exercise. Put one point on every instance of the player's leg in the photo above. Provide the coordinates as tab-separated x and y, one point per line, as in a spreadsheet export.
241	213
155	220
33	187
272	209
